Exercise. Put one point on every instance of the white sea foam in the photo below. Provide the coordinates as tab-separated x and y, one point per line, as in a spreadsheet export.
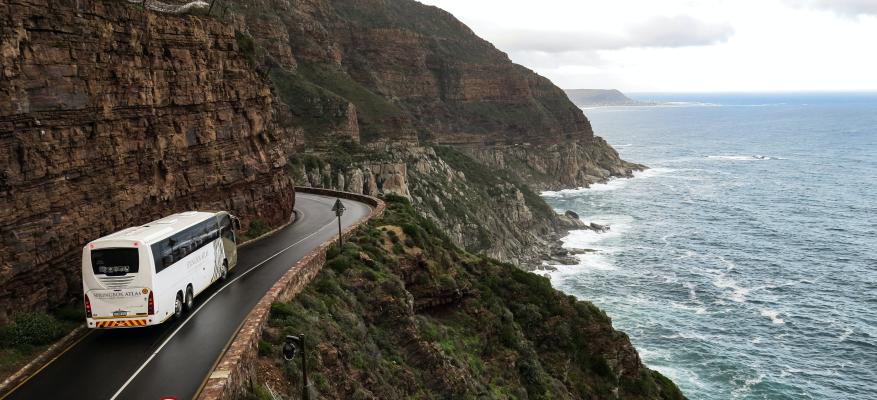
611	184
773	315
747	386
744	158
590	262
688	335
687	104
586	238
846	334
692	294
698	310
677	374
737	292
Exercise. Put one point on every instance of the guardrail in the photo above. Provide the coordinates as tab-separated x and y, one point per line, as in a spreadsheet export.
234	371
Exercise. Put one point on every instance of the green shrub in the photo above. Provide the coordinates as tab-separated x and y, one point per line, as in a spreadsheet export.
247	46
72	312
398	249
282	310
32	329
265	349
258	392
339	264
257	228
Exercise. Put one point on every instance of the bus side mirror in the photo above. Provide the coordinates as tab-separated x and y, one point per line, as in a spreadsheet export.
236	223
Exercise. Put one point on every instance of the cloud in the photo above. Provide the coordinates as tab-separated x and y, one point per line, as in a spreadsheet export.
676	31
679	31
841	7
555	41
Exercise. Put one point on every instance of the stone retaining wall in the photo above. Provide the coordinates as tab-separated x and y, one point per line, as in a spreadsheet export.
231	376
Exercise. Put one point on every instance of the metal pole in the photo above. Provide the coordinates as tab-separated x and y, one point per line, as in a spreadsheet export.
305	390
340	239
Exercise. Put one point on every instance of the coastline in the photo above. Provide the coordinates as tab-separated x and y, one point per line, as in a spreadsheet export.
560	254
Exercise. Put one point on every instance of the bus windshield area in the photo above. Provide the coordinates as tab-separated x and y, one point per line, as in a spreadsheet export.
115	262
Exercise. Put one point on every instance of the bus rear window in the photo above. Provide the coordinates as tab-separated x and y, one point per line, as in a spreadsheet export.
115	262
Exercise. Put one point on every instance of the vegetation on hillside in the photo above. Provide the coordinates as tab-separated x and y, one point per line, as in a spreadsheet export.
400	312
30	333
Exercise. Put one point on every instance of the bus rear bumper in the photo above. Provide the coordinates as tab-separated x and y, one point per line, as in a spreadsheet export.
121	323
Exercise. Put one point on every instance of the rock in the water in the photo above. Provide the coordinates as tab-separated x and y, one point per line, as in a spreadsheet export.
599	228
571	214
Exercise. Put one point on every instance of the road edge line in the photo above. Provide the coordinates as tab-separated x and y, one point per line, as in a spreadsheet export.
200	306
239	356
46	358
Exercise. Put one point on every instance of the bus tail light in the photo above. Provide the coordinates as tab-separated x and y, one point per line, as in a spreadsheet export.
151	304
87	307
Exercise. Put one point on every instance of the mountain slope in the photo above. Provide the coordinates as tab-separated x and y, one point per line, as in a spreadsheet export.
401	313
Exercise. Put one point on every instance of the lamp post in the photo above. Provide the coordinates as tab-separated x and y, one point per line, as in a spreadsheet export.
289	350
339	208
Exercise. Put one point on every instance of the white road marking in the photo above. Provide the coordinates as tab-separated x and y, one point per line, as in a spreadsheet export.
148	360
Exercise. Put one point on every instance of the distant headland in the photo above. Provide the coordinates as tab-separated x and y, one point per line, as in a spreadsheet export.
601	98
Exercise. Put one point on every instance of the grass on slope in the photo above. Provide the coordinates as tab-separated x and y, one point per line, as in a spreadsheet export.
400	312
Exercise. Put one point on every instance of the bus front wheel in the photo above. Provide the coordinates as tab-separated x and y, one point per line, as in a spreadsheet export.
178	306
224	273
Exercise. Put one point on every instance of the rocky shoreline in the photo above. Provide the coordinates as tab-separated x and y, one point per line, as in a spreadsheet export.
483	209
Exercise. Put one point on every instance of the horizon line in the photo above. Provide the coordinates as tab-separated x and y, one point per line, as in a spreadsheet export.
803	91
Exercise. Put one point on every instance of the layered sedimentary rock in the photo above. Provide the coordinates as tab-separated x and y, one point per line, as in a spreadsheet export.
480	211
112	117
418	75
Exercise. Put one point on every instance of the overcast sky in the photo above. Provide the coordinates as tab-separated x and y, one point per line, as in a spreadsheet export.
685	45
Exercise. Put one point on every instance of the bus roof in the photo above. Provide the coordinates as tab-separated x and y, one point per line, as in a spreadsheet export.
158	229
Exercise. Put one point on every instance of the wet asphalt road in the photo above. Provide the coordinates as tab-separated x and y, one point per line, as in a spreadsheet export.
174	359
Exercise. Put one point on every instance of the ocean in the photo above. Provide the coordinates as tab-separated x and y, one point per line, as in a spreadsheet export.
743	263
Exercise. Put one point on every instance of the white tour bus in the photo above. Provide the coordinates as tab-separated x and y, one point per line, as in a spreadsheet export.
147	274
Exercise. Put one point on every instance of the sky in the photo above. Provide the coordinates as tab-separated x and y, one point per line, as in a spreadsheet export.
684	45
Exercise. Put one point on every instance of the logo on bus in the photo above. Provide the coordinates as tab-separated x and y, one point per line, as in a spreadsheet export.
116	295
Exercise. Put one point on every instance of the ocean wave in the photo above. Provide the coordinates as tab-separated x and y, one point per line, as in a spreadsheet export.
697	309
743	390
756	157
687	104
845	334
610	185
691	335
737	294
773	315
758	105
692	294
677	374
595	261
586	238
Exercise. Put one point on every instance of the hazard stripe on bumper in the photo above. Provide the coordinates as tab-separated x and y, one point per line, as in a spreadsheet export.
129	323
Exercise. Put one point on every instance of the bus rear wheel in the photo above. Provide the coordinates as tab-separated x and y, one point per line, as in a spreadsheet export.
178	306
223	275
190	299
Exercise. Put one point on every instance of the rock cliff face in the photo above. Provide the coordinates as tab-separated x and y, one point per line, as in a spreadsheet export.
410	77
482	211
111	117
418	75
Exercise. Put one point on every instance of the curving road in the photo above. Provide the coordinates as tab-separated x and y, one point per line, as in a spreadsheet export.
174	359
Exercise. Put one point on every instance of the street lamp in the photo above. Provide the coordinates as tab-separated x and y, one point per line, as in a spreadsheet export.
289	350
